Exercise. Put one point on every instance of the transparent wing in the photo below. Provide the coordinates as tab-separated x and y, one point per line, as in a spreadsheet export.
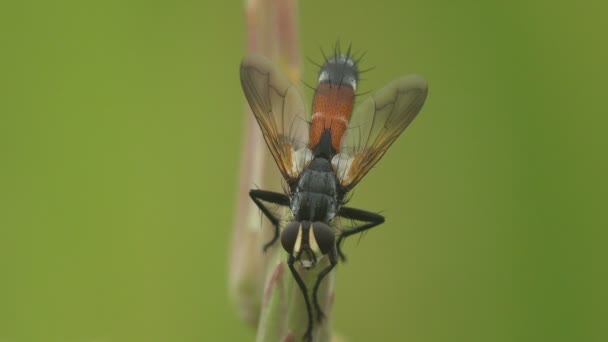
279	110
375	125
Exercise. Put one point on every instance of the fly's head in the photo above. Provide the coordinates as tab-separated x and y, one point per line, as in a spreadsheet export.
308	241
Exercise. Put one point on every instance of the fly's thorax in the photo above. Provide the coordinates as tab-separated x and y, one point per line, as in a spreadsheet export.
318	177
316	195
311	206
308	241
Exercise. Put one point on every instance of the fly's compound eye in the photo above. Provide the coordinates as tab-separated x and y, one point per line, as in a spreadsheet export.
290	235
324	236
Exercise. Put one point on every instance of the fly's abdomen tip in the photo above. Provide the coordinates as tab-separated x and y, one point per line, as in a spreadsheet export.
341	71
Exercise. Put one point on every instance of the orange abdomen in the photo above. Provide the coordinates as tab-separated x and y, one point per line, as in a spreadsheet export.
331	110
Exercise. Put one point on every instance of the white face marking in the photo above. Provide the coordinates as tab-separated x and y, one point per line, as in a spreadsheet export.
298	244
313	243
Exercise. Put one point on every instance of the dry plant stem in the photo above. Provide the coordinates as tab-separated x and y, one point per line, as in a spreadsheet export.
261	284
248	265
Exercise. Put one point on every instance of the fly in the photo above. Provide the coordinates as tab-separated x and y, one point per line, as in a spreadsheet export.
324	158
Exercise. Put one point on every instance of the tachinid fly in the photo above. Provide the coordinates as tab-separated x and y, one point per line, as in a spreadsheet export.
323	158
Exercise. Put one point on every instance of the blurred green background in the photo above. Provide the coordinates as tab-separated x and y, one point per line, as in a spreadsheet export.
120	132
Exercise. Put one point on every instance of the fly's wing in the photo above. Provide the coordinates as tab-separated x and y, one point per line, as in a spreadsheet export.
375	125
279	110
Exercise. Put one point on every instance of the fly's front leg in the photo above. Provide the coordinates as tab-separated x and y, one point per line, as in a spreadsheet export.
271	197
290	262
333	261
371	219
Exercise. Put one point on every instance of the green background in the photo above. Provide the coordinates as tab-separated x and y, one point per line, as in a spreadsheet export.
121	124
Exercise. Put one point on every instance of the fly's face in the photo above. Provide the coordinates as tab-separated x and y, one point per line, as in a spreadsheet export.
308	241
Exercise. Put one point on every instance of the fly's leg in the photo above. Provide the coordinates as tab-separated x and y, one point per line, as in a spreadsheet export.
271	197
290	262
333	261
371	220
